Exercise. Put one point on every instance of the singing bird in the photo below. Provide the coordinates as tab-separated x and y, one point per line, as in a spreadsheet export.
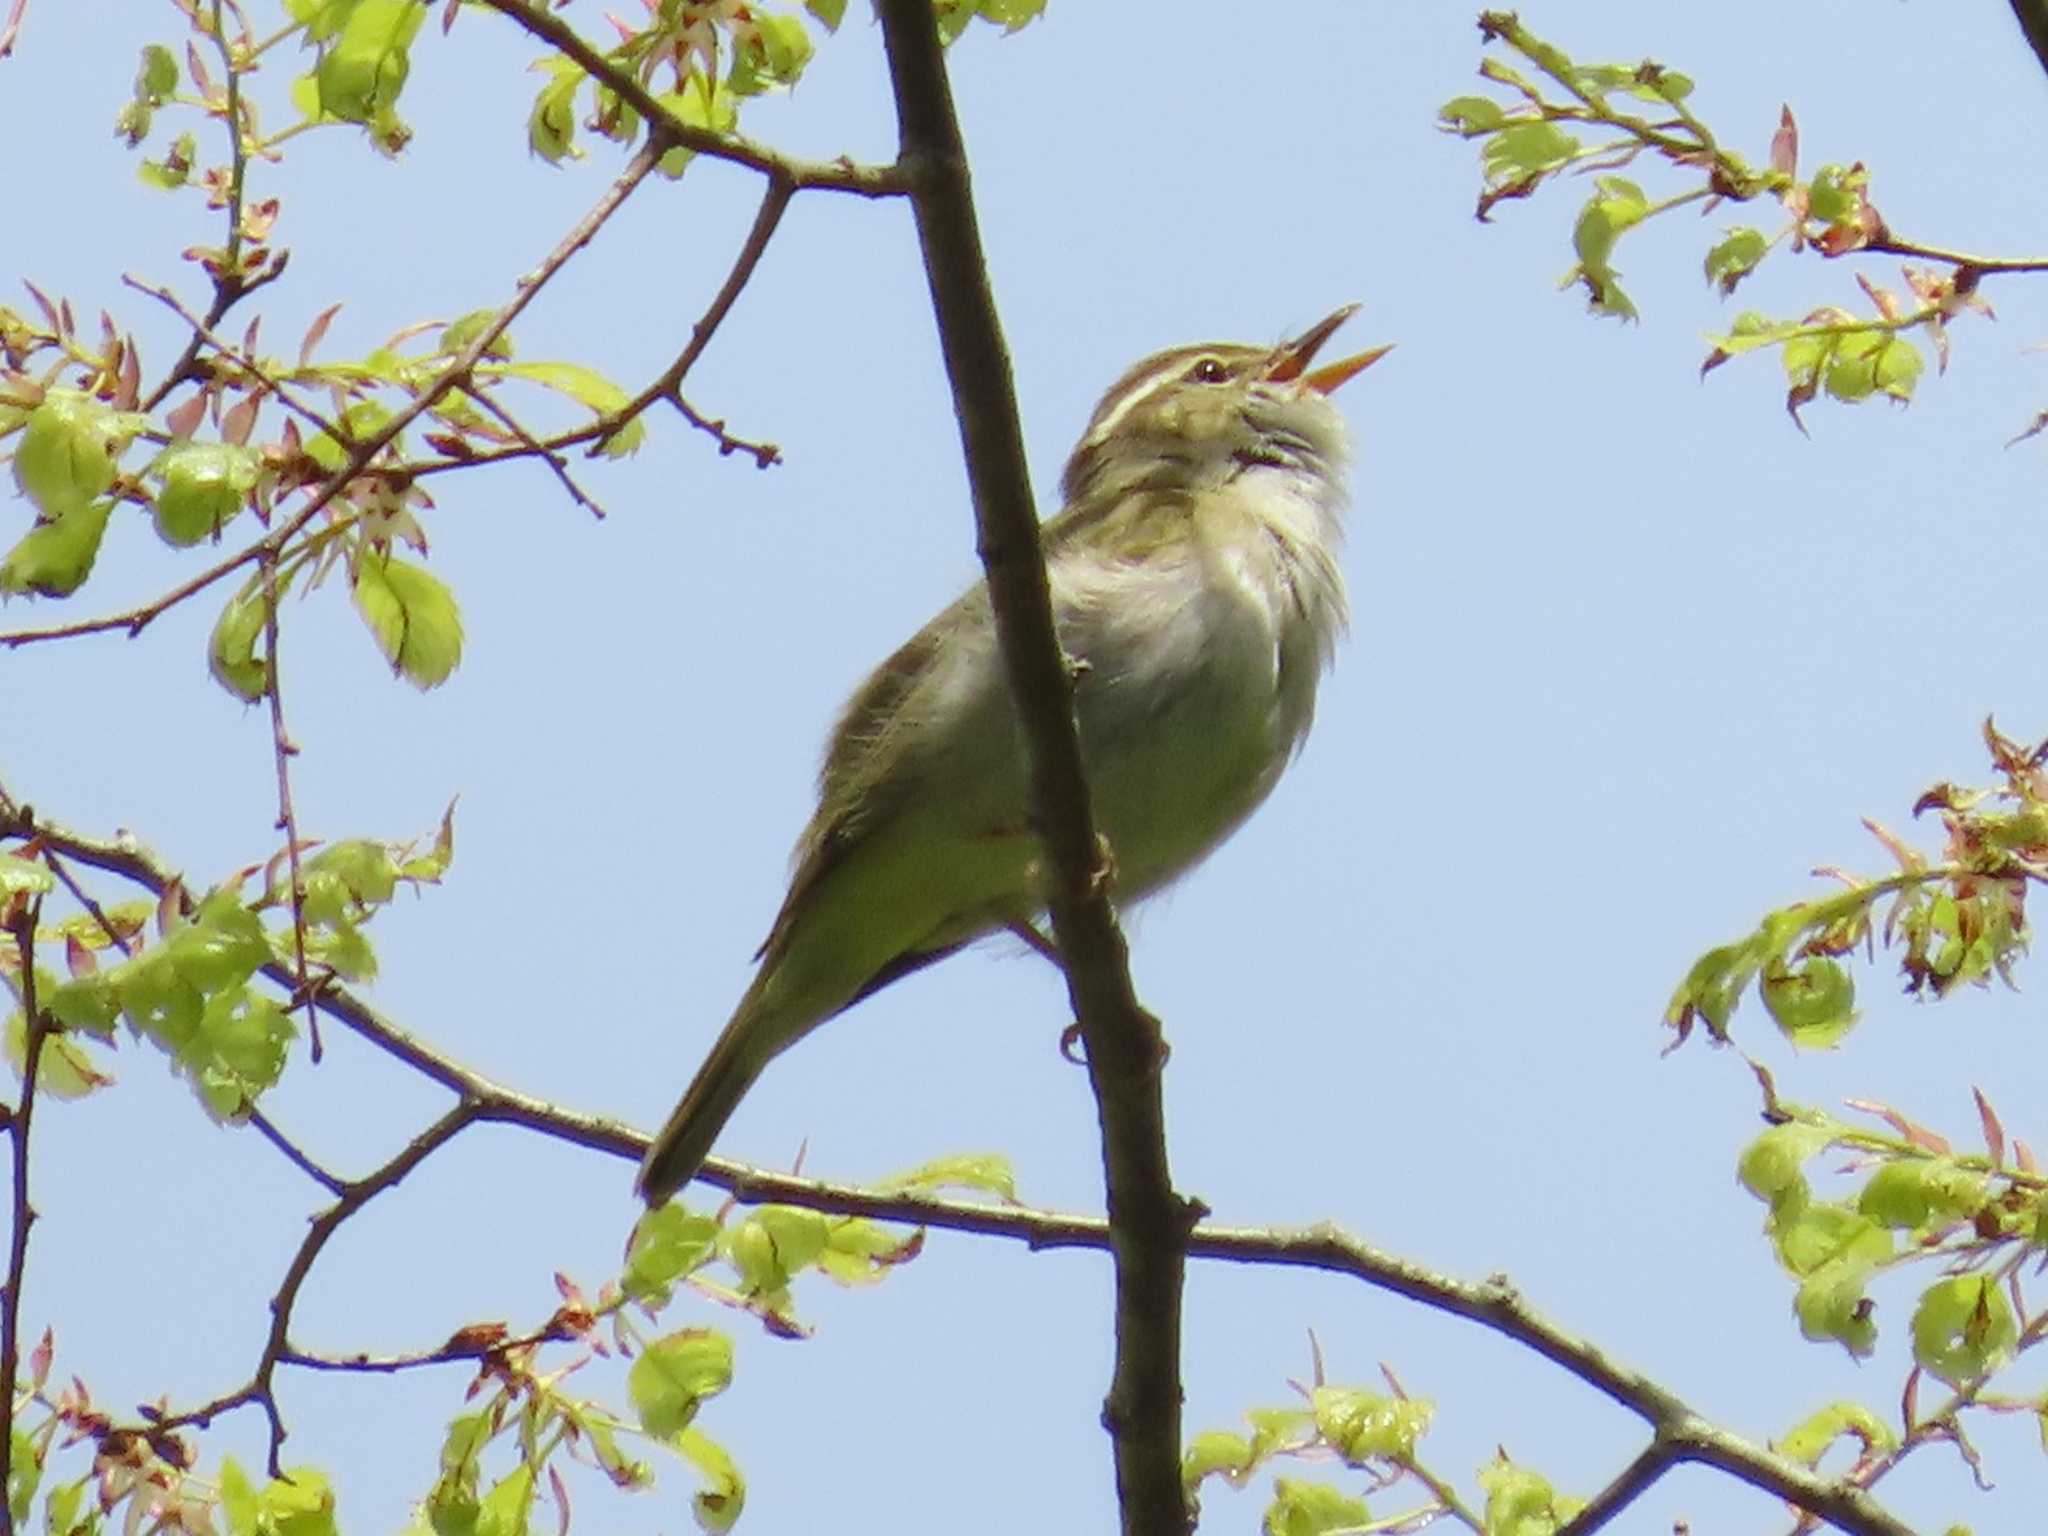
1194	579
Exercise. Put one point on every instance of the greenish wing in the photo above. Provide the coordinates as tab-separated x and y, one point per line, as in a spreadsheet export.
856	765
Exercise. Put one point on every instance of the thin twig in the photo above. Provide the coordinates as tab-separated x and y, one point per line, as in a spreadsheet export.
1630	1484
765	455
282	753
12	29
294	1153
1149	1221
203	332
135	620
277	1347
667	385
536	448
36	1030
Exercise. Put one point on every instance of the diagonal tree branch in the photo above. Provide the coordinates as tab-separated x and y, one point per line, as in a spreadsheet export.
1148	1221
2032	16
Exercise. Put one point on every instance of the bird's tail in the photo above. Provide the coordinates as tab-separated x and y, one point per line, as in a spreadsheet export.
714	1093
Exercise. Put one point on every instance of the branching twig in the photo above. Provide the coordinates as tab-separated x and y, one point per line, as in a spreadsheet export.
277	1349
293	1153
535	448
135	620
1147	1219
840	175
203	332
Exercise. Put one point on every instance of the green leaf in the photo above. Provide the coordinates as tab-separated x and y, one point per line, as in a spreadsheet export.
344	948
64	1069
231	648
238	1499
1523	150
674	1375
64	1512
1471	115
1813	1002
412	617
1713	986
1810	1440
203	487
774	1243
1824	1232
24	1472
221	946
1618	206
1216	1453
722	1492
1851	373
1916	1192
175	169
772	52
1311	1509
988	1173
667	1243
861	1252
360	76
830	13
362	866
88	1004
1964	1328
1734	257
156	79
584	385
238	1051
1772	1166
321	18
1898	368
19	876
54	557
1835	193
551	125
1831	1304
701	103
68	451
1365	1426
157	1002
507	1509
1521	1502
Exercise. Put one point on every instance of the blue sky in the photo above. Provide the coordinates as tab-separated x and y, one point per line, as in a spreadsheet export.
1630	656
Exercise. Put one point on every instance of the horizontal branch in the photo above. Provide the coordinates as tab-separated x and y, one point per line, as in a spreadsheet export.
1680	1434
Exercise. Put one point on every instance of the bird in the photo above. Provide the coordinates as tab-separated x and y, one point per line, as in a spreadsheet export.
1195	585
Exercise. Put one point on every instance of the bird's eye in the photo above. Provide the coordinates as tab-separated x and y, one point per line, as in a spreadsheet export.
1209	371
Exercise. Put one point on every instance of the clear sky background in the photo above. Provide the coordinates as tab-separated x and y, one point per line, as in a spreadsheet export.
1631	655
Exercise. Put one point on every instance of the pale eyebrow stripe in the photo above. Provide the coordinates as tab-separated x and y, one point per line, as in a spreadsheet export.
1166	374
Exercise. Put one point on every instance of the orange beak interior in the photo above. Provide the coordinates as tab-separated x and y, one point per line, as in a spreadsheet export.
1294	359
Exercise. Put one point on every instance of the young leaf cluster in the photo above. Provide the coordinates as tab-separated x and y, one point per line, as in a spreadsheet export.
1958	919
1564	115
1980	1219
1375	1434
181	974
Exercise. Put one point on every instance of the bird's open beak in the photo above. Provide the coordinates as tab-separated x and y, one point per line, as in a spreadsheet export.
1292	360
